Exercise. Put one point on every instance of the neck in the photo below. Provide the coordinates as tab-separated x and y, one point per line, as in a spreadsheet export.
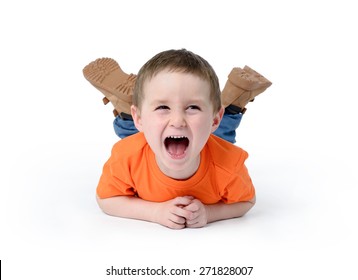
181	174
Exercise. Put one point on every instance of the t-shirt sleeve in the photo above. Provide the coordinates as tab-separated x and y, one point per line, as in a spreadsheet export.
240	187
115	179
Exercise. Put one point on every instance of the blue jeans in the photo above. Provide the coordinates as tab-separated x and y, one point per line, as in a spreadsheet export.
226	129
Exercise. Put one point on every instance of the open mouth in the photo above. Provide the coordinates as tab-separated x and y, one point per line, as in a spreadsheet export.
176	145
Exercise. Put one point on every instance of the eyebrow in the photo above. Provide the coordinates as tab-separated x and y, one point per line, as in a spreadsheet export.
161	101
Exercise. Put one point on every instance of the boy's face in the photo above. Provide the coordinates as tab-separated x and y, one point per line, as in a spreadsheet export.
176	117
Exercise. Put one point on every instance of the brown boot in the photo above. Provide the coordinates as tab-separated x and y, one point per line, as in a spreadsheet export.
242	86
117	86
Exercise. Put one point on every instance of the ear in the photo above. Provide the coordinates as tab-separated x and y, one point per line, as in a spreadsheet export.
136	117
217	119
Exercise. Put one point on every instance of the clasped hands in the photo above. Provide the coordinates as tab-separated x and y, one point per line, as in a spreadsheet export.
181	212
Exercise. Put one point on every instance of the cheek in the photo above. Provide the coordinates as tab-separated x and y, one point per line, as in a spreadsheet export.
153	128
152	122
206	122
203	127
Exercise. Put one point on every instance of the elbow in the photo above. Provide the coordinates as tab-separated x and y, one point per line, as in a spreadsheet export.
113	206
100	202
103	205
249	204
253	200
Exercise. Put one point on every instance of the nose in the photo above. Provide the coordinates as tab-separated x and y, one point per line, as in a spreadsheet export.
177	119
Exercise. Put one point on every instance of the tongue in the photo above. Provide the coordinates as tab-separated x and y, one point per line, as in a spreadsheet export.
176	147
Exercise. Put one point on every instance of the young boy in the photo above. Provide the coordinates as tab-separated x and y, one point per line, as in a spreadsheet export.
175	172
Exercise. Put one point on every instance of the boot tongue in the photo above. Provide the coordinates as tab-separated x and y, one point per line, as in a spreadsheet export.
176	147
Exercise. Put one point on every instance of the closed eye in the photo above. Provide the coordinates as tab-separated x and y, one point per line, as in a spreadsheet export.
194	107
162	107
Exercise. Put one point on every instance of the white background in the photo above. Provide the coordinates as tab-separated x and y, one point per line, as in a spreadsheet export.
300	134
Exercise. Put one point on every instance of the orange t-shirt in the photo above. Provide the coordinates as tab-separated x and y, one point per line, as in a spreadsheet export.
132	170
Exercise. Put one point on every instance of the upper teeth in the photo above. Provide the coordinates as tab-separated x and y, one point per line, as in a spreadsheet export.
176	137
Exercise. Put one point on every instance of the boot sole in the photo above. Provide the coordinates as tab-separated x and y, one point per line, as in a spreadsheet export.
105	74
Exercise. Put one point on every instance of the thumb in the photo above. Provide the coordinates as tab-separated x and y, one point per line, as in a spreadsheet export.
183	200
192	207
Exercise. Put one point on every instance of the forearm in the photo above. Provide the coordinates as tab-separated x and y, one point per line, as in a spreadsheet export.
222	211
129	207
175	213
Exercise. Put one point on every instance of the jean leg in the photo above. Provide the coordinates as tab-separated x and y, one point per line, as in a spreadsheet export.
124	128
228	126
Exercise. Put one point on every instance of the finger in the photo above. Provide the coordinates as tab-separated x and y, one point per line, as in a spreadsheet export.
193	216
181	212
197	225
199	221
173	225
192	207
182	200
191	224
177	219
